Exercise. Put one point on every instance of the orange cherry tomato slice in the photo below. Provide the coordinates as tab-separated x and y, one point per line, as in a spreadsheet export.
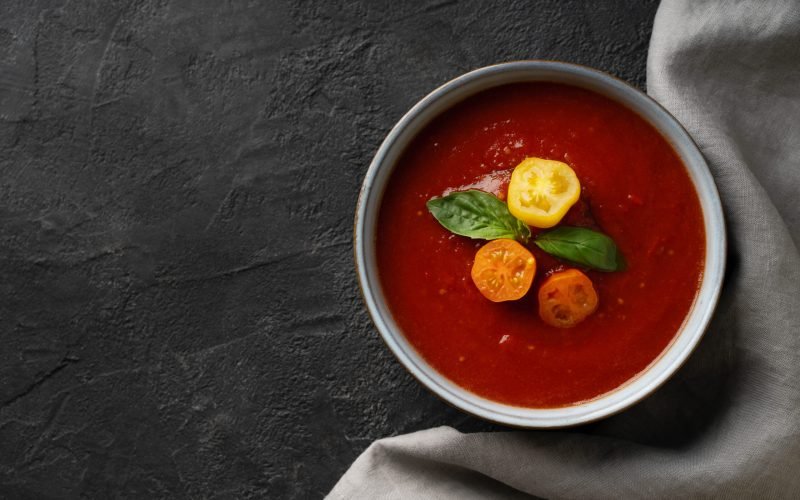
566	298
503	270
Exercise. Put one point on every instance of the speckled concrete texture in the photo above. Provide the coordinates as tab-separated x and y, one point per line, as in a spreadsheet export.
179	315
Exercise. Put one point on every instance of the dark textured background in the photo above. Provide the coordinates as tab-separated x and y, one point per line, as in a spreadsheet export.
178	309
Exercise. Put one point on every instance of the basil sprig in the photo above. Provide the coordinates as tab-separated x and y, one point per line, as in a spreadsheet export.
477	215
582	246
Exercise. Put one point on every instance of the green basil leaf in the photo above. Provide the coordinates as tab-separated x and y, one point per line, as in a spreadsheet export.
582	246
477	215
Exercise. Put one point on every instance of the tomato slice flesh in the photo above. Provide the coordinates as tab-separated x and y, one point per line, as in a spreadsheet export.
503	270
566	298
541	191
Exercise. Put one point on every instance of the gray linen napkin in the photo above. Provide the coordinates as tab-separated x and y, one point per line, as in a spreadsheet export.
728	424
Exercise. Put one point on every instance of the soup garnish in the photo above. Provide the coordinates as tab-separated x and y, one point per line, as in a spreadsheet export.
540	193
566	298
503	270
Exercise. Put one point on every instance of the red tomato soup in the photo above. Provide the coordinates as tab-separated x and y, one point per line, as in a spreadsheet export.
634	188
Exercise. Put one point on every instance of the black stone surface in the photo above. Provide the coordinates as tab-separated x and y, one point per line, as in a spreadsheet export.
178	309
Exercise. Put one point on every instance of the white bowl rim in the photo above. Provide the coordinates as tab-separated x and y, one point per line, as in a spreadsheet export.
460	88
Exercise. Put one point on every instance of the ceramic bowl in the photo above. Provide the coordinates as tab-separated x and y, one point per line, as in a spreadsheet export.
457	90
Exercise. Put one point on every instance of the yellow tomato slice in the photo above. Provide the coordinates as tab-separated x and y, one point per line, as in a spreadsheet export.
503	270
541	191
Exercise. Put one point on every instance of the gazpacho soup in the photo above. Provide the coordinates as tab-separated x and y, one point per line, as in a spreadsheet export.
540	244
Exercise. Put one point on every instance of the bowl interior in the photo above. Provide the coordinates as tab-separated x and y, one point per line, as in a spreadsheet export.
526	71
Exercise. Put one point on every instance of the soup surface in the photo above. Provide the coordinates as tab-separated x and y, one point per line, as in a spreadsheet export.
634	189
